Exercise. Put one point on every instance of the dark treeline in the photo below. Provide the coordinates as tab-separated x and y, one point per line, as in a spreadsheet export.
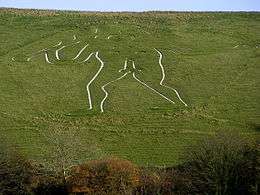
222	164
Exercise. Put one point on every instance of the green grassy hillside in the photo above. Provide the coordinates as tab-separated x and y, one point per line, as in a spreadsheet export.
211	59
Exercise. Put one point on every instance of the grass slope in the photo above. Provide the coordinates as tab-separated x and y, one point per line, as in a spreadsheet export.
212	59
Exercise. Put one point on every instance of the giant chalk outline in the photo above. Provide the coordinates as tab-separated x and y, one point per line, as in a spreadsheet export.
154	90
57	44
125	66
91	81
80	52
163	77
106	93
103	88
87	59
63	47
138	80
47	57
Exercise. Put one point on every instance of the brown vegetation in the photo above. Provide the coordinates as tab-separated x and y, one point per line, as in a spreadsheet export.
107	176
223	164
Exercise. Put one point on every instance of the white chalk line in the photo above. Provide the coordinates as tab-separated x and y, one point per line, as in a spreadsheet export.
90	55
91	81
96	31
58	50
80	52
149	86
46	57
125	66
144	84
106	93
57	44
13	59
43	50
134	65
163	77
110	36
96	36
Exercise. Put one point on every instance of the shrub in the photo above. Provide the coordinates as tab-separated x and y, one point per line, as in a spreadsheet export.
223	164
16	174
103	177
20	176
150	182
49	183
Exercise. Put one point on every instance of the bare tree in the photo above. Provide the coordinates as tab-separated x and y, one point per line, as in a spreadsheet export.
64	144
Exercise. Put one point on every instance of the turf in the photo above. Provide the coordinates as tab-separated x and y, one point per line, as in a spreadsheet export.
212	59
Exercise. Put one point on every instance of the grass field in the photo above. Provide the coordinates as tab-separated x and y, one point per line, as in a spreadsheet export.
211	59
